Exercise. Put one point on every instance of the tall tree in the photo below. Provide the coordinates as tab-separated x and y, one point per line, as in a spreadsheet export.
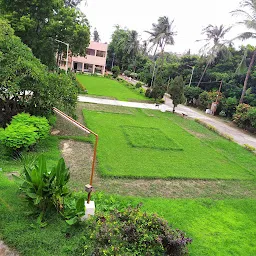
215	44
176	91
96	36
250	23
161	35
133	45
38	23
26	84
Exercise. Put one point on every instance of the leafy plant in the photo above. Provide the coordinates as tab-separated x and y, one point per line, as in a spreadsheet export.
127	73
74	209
138	85
40	123
133	232
241	117
192	93
24	132
116	71
44	188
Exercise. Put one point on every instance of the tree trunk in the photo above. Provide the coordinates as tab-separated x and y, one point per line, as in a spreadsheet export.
173	110
153	75
207	65
247	77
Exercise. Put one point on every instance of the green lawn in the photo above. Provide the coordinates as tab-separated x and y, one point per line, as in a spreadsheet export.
151	144
48	147
101	86
221	227
217	227
225	227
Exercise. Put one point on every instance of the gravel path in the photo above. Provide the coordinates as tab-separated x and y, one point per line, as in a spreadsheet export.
6	251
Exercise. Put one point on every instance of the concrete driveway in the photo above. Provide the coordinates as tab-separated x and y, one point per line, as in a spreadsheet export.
240	136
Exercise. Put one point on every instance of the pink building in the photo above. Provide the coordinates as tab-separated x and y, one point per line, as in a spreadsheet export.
93	62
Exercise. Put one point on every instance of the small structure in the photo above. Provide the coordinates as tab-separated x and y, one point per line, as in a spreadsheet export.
93	62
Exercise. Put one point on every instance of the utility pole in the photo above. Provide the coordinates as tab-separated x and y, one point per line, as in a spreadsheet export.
67	53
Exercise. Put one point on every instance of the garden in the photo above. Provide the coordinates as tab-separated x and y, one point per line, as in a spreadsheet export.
213	222
164	184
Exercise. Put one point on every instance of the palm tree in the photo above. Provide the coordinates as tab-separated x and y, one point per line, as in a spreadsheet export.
215	44
133	45
250	23
161	35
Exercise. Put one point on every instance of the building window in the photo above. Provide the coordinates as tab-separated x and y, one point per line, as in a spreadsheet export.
88	68
101	54
90	52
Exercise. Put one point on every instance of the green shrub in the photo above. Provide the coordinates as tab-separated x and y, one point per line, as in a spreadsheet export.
192	93
19	136
41	123
134	75
138	85
44	188
229	106
204	100
133	232
127	73
241	117
116	71
148	93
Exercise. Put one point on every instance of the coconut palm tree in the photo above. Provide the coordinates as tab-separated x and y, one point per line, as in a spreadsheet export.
215	44
161	35
250	24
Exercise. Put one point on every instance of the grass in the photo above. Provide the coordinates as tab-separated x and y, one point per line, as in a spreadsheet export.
205	155
144	137
224	227
48	147
101	86
16	230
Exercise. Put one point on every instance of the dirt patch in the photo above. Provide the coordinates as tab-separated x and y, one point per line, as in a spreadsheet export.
10	177
78	156
6	251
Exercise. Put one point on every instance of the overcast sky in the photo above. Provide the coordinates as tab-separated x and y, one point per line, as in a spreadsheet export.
190	17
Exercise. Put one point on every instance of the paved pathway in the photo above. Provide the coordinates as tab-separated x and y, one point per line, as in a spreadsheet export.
239	136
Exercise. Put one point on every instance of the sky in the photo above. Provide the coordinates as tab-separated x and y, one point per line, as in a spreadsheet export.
190	17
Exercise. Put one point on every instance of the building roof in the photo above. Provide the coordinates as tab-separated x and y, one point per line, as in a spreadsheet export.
98	46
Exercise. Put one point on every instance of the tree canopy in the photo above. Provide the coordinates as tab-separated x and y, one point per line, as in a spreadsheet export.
38	23
26	84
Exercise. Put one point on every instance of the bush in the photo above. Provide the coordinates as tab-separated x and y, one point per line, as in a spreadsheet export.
127	73
18	136
192	93
133	232
134	75
148	93
24	132
44	188
241	117
41	123
229	106
204	100
116	71
138	85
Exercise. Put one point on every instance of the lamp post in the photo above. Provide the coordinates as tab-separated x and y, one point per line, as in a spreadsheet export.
67	53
